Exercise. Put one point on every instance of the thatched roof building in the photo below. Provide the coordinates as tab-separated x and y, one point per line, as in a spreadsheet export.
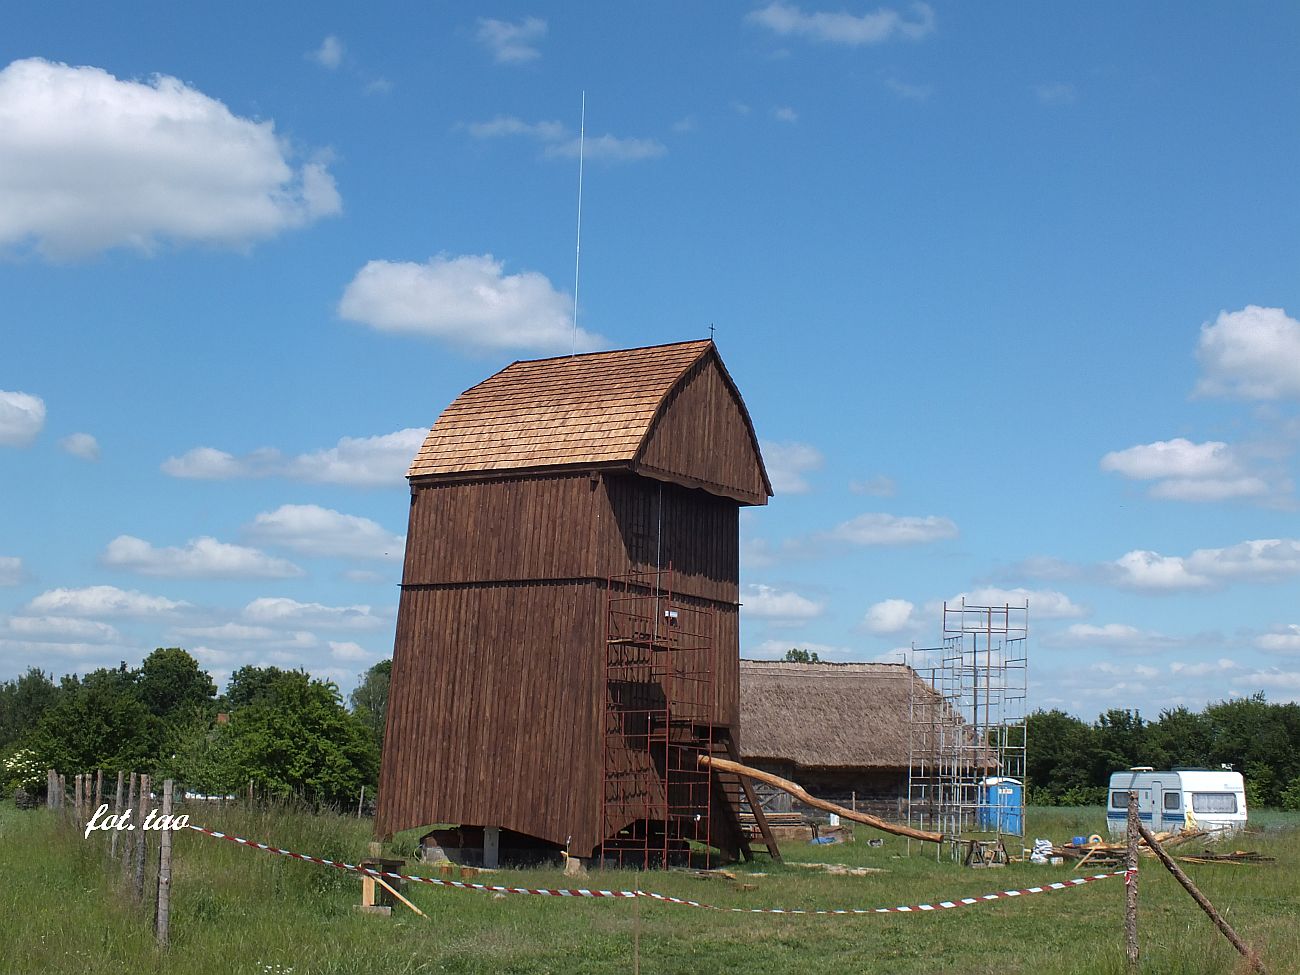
828	715
841	730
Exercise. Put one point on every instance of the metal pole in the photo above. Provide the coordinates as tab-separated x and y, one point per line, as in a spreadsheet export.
1131	883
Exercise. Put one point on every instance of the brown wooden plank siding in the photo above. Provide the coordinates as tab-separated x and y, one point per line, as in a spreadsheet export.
506	529
492	720
704	438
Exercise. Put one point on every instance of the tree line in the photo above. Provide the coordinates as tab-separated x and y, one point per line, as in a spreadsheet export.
283	731
1069	761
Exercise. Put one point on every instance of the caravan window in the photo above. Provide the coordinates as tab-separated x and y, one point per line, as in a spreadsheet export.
1172	800
1119	800
1214	802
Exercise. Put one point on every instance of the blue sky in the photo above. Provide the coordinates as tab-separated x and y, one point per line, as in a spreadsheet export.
1011	293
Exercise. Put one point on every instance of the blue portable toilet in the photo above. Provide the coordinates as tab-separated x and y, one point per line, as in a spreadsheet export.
1002	803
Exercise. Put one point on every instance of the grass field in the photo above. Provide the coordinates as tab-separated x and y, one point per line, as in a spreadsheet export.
239	910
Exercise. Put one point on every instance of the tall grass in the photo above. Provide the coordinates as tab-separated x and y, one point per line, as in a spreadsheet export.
239	910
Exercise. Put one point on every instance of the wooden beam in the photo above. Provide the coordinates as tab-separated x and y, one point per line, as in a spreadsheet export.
1246	951
785	785
755	807
393	890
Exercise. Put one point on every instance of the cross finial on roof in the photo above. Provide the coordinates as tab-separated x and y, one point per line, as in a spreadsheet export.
710	331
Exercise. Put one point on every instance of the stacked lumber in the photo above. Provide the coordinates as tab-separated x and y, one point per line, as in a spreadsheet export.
1236	856
1106	852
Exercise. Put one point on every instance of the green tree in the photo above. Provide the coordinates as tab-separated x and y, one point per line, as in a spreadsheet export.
297	739
170	682
99	722
22	701
797	656
370	699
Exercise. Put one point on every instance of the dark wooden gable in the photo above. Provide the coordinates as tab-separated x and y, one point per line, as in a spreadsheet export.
702	437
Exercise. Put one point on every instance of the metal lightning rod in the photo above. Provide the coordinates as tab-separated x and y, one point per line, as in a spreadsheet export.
577	249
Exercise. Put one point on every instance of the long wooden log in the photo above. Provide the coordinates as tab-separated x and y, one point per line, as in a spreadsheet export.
1219	922
785	785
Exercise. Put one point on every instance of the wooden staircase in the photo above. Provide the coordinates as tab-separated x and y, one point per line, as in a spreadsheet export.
736	795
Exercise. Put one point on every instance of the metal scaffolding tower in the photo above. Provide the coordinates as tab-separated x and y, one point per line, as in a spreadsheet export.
967	723
658	720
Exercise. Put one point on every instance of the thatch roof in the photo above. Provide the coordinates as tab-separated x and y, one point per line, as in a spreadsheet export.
828	714
591	410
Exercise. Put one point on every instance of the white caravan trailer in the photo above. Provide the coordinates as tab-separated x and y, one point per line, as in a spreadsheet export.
1209	800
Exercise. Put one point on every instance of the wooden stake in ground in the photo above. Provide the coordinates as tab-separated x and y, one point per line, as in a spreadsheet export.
141	838
163	918
117	811
128	841
1247	952
785	785
49	788
99	788
1131	883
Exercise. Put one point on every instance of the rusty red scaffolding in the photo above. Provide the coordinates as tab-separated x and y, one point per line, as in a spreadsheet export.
659	718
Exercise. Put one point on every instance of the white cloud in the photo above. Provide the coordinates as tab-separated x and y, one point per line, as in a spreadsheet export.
845	28
883	529
512	42
349	651
200	558
329	54
1044	604
1152	571
878	486
1253	354
1119	636
90	162
281	611
559	143
62	629
889	616
103	601
914	93
609	148
1056	93
1211	489
312	530
784	113
1284	640
787	463
768	603
1203	668
468	300
1172	458
1263	559
22	415
1187	471
230	634
11	570
504	125
1283	681
355	461
81	445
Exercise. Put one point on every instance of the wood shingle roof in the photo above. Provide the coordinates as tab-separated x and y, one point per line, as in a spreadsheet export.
598	409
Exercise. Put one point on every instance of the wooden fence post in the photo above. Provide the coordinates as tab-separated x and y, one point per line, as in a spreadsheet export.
142	840
50	784
76	795
128	841
1246	951
99	787
1131	883
117	811
163	917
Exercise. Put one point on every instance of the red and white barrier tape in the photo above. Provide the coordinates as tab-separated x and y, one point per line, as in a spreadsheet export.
664	898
